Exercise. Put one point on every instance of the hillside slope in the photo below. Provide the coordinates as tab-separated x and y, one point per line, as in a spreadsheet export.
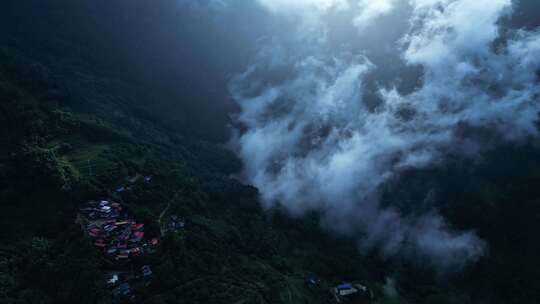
71	135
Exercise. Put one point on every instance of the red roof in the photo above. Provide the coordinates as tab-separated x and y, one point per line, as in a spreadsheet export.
137	226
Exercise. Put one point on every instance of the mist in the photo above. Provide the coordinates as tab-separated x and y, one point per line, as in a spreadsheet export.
343	96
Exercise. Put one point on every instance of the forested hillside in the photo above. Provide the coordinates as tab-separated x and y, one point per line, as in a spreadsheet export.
71	134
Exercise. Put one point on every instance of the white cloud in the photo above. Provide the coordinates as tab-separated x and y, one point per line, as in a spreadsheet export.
313	143
303	6
370	10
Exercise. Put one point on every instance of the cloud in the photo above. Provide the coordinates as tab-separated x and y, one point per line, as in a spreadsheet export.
314	140
204	5
303	6
370	10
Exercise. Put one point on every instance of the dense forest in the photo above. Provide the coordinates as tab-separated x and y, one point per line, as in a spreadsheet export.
86	103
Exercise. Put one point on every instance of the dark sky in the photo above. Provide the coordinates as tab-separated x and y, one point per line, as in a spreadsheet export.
182	57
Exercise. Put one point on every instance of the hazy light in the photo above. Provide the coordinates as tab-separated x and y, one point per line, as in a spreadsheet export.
370	10
288	5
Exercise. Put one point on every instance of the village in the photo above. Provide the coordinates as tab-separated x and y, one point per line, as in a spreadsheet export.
122	241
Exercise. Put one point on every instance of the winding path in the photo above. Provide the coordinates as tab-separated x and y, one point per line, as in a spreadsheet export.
164	211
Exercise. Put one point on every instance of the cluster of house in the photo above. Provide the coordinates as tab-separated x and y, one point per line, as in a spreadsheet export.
174	224
121	282
132	180
103	210
121	239
112	230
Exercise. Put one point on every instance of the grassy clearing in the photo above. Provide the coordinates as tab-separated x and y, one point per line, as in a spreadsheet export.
89	160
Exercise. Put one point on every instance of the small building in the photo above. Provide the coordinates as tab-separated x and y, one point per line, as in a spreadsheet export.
122	256
113	279
349	290
123	290
134	179
137	227
137	236
312	282
146	271
105	209
100	243
110	227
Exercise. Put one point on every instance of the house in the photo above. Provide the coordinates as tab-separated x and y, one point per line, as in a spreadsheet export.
136	251
122	256
114	214
100	243
146	271
110	227
105	209
313	282
123	290
346	290
94	229
113	279
125	234
137	226
137	236
134	179
175	224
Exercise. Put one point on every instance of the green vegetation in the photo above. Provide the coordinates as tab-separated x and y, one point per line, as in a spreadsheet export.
230	251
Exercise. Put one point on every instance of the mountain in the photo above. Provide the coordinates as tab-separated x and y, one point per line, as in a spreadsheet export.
73	131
